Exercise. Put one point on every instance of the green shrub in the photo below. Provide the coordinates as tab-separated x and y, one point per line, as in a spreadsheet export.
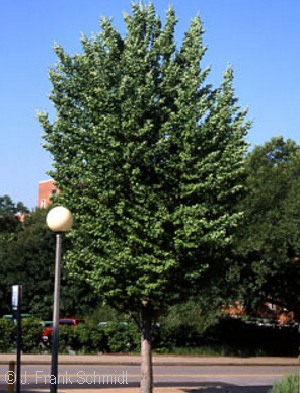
7	335
64	337
87	338
31	334
121	337
289	384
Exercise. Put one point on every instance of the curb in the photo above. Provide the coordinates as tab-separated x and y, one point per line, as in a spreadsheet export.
176	361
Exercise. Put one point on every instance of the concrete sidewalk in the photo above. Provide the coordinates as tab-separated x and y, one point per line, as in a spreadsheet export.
162	360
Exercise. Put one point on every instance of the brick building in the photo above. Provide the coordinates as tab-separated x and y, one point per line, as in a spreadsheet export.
46	191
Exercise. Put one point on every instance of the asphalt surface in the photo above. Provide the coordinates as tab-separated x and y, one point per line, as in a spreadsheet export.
123	360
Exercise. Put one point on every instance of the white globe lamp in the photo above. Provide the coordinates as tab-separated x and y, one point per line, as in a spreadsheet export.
60	219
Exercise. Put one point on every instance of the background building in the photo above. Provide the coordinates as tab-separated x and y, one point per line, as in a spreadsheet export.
46	191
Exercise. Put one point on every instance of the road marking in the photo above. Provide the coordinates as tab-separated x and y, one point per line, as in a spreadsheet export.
209	375
165	375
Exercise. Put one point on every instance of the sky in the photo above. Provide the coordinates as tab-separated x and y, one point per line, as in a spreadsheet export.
258	38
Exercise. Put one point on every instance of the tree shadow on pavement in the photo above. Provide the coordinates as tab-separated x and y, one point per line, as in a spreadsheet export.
215	387
160	387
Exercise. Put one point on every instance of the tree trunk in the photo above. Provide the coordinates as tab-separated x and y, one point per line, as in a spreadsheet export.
146	351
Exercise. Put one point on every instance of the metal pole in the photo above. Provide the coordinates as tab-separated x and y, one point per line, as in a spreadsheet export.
16	310
19	348
11	370
54	365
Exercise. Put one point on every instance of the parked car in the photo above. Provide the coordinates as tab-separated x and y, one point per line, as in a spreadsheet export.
63	321
71	321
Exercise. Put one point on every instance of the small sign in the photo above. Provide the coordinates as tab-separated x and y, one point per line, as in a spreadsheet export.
16	297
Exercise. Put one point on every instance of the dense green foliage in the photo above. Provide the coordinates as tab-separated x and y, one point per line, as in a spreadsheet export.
31	335
27	255
267	249
87	338
8	214
176	334
84	338
149	159
25	261
7	335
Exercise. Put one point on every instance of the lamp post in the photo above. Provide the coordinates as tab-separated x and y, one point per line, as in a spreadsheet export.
59	220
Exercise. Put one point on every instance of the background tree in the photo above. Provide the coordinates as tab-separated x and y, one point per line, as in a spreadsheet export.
267	247
9	221
9	225
27	258
149	159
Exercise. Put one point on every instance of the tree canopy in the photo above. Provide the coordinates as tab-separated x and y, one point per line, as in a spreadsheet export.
149	158
267	247
9	213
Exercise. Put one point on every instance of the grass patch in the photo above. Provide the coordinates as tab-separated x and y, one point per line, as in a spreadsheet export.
212	350
289	384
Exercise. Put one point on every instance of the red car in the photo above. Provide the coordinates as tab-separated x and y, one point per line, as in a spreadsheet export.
63	321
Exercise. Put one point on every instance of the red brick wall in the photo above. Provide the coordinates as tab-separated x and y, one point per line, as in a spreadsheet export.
46	190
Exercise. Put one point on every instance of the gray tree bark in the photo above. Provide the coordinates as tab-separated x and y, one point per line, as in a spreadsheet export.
146	385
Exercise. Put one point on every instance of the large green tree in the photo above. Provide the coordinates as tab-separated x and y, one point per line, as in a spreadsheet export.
149	157
267	248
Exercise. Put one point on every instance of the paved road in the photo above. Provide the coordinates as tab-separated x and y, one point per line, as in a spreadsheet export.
189	375
120	376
